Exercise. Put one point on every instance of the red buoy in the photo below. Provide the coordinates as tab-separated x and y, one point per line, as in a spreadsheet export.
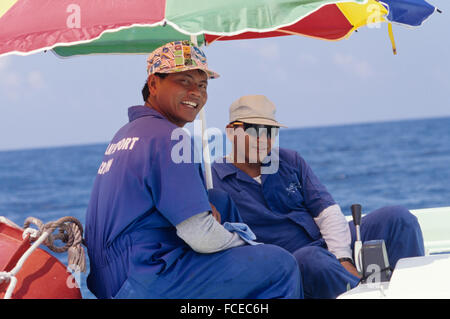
42	276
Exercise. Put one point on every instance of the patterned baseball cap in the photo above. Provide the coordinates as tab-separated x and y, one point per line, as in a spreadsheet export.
178	56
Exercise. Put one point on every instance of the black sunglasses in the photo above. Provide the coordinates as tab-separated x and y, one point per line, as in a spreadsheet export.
256	130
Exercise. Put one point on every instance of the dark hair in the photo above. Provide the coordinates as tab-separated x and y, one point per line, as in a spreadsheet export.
146	91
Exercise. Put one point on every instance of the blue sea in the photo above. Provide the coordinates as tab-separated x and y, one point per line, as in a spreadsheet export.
391	163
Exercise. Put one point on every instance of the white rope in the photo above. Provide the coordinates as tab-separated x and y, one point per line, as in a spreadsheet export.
11	275
31	232
70	232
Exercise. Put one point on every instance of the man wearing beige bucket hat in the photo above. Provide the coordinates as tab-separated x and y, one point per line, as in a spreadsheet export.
150	230
291	208
254	115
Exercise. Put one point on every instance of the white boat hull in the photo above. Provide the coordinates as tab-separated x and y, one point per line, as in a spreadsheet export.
426	277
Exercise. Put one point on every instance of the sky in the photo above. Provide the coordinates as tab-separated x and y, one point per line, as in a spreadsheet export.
47	101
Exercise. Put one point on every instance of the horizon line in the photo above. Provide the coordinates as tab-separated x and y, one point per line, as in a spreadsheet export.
93	143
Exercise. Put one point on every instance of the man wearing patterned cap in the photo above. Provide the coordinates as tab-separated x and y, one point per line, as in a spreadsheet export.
150	229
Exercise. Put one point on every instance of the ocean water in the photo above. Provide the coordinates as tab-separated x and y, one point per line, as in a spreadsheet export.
391	163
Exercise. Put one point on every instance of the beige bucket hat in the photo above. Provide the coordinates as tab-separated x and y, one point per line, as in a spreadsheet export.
254	109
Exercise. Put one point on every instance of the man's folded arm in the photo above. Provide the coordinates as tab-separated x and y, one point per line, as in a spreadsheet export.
205	235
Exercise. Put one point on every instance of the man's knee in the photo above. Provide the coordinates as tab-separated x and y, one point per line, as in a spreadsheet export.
274	268
276	257
314	258
400	230
285	272
397	215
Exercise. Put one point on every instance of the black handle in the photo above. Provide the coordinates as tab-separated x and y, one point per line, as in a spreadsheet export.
356	213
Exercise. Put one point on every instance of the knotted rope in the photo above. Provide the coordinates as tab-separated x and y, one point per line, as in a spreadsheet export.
70	233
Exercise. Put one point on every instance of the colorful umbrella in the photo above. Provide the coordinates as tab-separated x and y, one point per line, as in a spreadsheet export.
111	26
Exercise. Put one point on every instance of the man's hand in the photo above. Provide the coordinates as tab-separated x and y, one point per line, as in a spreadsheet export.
215	213
350	268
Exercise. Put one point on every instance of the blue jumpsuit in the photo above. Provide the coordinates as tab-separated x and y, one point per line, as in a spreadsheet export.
282	209
138	197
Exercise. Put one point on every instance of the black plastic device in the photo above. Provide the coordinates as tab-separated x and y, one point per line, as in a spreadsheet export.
375	262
